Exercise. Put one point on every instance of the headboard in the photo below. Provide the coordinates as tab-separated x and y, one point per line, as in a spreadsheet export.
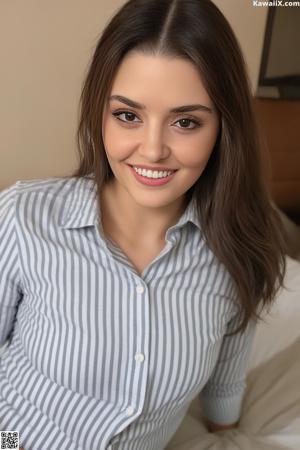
279	123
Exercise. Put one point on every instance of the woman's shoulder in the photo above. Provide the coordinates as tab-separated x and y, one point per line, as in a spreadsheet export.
48	185
51	195
60	187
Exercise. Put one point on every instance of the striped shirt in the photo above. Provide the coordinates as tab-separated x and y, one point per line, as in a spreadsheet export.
96	356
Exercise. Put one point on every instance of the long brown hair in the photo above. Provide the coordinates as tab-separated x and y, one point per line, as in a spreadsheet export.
234	204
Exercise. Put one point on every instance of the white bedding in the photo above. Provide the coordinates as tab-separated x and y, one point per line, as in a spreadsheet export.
271	407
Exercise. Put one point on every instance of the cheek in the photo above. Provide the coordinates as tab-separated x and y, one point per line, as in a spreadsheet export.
116	145
196	153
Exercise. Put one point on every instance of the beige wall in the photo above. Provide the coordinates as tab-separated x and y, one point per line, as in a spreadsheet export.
248	23
45	48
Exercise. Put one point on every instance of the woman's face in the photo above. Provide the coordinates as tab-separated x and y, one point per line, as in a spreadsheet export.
153	135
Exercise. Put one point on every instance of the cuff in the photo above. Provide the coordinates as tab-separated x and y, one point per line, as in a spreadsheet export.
222	410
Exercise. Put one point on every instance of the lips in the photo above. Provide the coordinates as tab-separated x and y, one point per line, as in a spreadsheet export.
151	181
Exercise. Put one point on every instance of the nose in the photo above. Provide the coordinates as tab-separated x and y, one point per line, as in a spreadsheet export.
153	147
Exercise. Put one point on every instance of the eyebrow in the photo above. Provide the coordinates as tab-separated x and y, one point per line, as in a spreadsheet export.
177	109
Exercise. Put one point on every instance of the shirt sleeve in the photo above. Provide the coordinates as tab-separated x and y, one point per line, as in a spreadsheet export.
10	283
222	395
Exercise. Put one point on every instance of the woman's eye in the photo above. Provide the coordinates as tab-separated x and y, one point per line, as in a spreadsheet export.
126	113
184	121
195	122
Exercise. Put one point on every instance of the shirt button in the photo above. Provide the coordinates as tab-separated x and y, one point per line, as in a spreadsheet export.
140	289
129	411
139	357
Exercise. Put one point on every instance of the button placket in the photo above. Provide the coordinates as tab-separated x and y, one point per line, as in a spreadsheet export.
139	358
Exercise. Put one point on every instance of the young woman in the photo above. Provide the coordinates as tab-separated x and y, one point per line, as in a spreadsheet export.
135	284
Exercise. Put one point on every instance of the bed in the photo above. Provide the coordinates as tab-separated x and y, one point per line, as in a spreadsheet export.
270	417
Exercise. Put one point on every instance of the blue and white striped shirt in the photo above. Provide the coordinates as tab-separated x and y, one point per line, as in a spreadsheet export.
98	357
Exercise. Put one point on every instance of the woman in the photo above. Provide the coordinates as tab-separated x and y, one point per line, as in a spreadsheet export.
134	285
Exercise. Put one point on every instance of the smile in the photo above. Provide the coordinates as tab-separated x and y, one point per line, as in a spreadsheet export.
153	173
152	178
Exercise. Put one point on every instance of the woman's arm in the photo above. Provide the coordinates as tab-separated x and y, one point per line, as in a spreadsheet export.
10	278
222	396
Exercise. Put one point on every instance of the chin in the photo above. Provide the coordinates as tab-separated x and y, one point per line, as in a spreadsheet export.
154	201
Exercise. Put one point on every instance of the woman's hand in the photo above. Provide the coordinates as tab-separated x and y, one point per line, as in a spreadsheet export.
212	427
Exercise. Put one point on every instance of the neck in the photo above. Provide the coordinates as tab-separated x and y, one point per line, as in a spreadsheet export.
137	223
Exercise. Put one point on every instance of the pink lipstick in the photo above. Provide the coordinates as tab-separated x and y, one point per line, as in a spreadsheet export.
151	181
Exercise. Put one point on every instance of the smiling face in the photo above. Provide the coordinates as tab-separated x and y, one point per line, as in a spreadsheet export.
140	129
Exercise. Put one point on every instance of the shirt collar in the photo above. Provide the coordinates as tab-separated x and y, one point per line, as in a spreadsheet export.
189	215
81	210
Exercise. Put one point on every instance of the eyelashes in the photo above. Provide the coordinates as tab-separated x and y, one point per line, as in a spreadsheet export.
195	122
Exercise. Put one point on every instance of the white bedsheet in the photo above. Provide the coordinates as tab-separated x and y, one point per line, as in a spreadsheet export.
270	417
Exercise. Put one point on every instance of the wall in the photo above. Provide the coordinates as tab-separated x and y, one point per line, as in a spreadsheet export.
45	48
248	23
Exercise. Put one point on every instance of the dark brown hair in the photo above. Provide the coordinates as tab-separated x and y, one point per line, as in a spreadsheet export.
239	223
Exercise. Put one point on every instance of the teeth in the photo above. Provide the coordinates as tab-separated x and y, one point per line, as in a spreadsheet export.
152	174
